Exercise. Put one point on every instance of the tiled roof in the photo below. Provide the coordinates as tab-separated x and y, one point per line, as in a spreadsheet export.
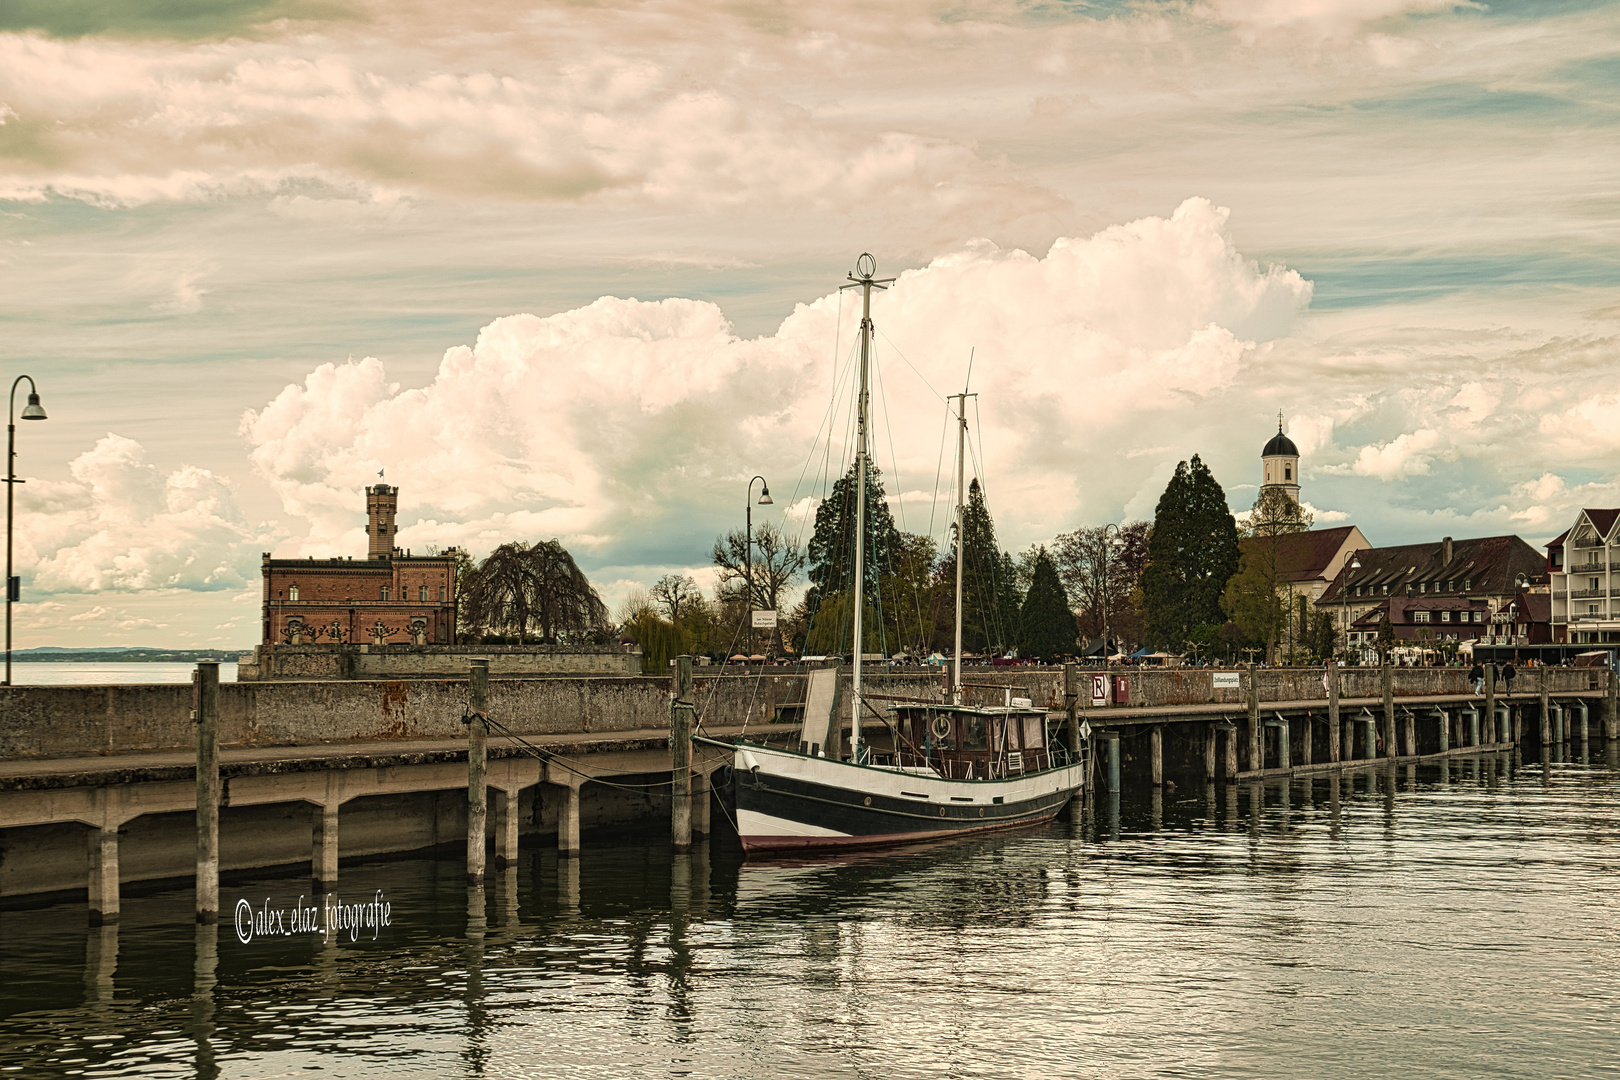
1399	608
1602	520
1304	556
1489	565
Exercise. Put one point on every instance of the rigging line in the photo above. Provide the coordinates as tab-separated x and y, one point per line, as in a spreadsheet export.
894	463
909	364
826	423
557	759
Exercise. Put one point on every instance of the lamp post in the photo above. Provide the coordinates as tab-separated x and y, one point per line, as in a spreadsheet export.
748	591
31	411
1344	602
1107	543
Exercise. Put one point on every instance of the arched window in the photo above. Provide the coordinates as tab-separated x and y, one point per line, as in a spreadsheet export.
1288	472
292	592
383	593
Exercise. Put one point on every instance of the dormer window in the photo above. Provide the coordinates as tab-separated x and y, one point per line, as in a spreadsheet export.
292	592
1468	583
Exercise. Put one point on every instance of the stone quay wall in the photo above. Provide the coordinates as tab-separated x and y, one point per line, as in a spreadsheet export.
434	661
70	721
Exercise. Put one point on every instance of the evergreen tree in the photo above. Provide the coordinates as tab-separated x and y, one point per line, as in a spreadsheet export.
831	554
1192	552
1260	596
1046	626
990	597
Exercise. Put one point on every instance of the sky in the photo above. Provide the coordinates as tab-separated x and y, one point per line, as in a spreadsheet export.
573	271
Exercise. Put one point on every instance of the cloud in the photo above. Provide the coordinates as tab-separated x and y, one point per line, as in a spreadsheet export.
120	525
1323	17
623	420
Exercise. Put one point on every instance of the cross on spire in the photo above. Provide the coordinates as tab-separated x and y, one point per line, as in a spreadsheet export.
1279	421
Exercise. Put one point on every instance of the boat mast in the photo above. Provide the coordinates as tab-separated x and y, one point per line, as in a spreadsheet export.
865	267
961	513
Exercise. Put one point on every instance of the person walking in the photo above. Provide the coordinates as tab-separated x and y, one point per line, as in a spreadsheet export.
1476	675
1508	675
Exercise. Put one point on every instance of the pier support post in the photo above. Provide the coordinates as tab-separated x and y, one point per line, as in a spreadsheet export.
1210	736
206	690
1445	729
1306	747
1347	732
1611	715
1389	710
700	804
1410	731
1473	726
1581	710
1230	732
1369	729
1071	709
506	828
680	756
1490	703
1333	712
323	868
568	822
1110	742
1156	753
1257	736
104	874
1546	711
477	764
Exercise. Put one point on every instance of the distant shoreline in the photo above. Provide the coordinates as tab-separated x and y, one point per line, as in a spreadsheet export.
122	656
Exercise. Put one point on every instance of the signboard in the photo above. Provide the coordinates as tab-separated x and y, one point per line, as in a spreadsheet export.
1228	680
764	620
1099	690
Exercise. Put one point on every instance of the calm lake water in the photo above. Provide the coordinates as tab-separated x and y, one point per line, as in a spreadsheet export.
1459	921
101	673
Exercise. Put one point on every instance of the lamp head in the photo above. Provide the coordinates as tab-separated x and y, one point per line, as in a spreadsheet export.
764	494
33	410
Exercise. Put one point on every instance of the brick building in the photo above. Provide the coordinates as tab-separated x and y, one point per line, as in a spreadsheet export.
391	596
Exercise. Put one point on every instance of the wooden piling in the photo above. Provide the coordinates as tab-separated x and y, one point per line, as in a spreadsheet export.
1307	747
1333	712
1231	733
1156	753
1257	738
1445	730
1389	710
680	756
700	804
206	699
1490	705
1210	735
1611	715
477	766
1409	729
1546	710
1071	708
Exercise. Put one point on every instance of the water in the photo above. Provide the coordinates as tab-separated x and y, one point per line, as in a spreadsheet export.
105	672
1440	922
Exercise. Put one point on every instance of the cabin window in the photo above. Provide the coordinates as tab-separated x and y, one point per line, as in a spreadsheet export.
292	592
974	738
1034	733
382	593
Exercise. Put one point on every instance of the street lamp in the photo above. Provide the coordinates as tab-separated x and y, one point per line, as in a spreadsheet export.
1107	543
1344	601
31	411
748	592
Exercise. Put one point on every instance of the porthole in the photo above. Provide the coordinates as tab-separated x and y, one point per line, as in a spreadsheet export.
981	811
869	800
942	811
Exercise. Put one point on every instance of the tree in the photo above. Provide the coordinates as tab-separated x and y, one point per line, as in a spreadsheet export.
520	584
777	565
1102	577
1192	552
831	554
1260	596
906	600
1046	626
675	593
990	597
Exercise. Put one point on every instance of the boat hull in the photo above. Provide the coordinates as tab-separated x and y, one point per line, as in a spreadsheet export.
795	802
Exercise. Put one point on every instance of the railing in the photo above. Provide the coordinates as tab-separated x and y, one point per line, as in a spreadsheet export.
1586	594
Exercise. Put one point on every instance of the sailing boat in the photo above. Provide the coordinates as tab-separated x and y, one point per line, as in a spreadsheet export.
948	768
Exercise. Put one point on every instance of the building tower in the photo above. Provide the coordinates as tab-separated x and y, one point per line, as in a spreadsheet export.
382	502
1279	463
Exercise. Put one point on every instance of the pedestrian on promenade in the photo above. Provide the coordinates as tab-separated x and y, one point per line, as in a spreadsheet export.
1508	675
1476	675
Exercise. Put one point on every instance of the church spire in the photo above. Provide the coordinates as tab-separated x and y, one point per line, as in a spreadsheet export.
1279	464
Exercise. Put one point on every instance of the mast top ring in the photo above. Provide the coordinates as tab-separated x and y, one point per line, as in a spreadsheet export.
865	266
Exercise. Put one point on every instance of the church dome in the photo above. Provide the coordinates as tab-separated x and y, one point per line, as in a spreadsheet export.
1280	446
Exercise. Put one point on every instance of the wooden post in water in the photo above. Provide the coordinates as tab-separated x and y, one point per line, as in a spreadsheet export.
1257	734
1156	753
477	764
1390	749
1611	715
1333	712
207	718
680	756
1231	732
1489	725
1209	753
1546	710
1071	708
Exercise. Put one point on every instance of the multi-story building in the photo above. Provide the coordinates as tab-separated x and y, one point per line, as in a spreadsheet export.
1491	569
390	596
1583	566
1423	620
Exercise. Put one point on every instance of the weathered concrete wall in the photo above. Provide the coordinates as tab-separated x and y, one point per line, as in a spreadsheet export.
68	721
434	661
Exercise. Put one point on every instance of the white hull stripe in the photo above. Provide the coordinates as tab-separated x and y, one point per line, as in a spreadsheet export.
754	823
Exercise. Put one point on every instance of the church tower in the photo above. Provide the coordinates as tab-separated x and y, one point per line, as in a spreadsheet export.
1279	463
382	503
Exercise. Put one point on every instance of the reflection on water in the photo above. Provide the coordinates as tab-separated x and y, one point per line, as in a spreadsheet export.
1455	920
109	673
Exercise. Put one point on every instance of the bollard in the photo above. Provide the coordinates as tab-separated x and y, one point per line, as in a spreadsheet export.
205	689
477	763
1110	741
680	756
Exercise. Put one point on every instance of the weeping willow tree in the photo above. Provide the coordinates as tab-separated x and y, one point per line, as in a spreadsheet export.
522	585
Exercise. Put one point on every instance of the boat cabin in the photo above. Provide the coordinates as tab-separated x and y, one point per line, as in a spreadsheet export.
971	742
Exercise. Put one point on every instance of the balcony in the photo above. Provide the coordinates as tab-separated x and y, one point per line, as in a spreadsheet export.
1587	594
